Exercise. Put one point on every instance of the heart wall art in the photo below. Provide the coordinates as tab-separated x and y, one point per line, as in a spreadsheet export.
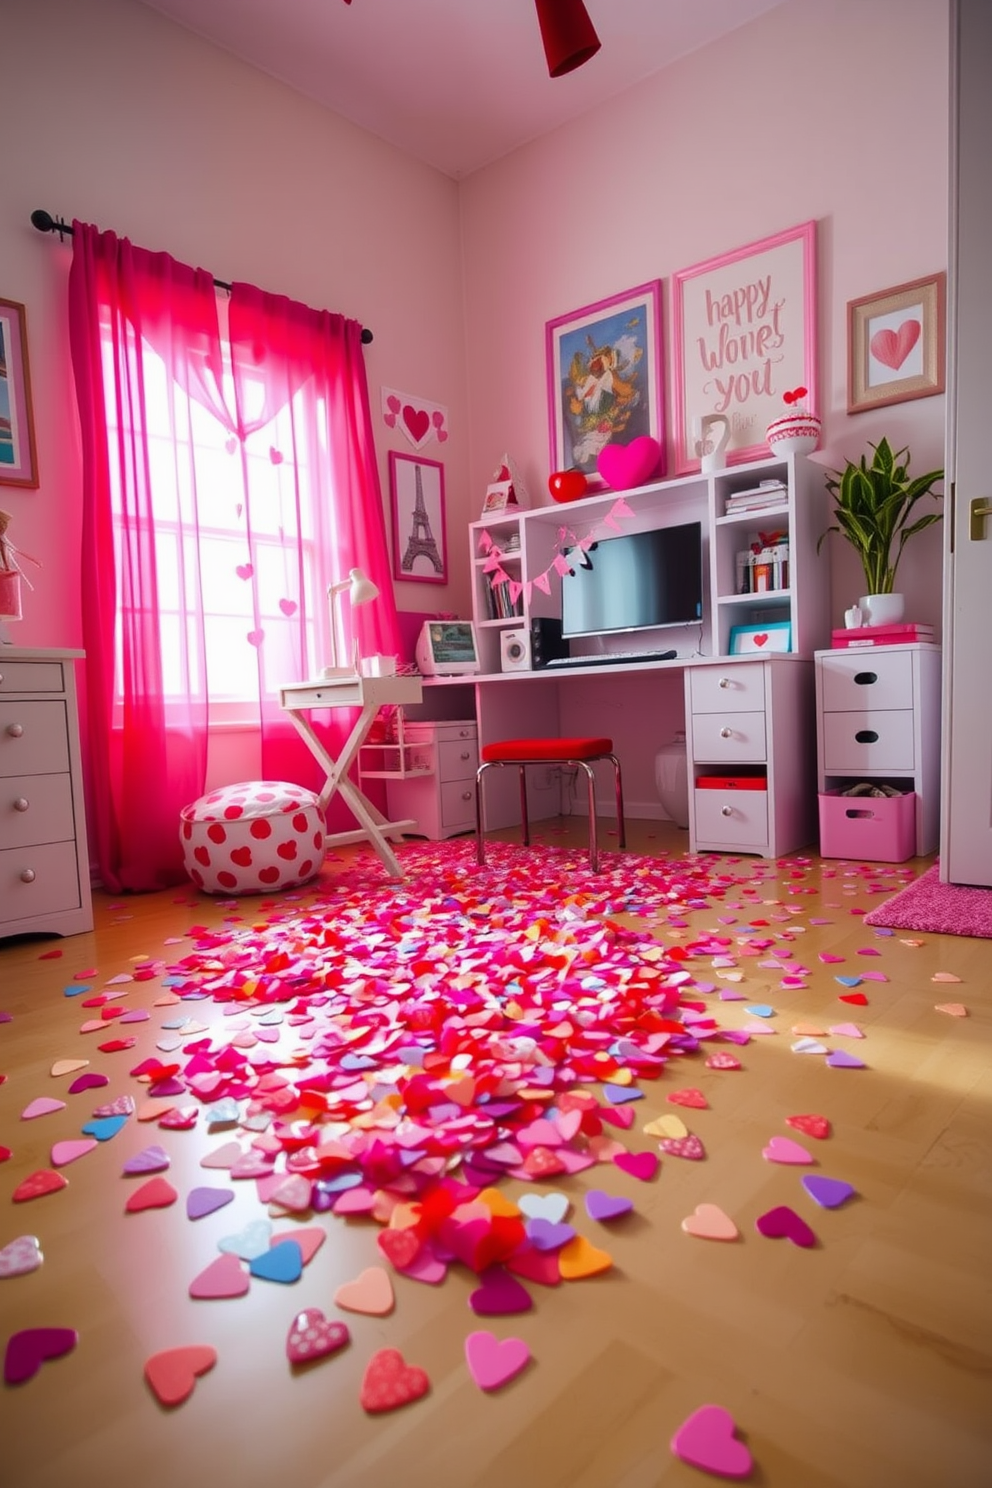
895	344
415	418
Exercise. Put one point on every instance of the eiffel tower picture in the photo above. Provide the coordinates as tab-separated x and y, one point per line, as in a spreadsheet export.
420	543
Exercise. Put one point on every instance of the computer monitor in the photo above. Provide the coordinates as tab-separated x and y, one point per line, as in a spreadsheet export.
447	648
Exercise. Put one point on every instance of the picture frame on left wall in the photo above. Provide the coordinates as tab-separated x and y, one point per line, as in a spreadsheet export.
416	494
18	456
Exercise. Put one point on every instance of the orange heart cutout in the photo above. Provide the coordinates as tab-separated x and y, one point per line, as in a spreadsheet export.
579	1259
944	976
498	1204
956	1009
390	1382
371	1292
708	1222
173	1373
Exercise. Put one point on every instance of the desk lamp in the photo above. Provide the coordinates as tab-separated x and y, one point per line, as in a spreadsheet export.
360	591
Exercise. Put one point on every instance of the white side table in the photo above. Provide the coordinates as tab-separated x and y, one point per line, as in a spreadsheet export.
300	699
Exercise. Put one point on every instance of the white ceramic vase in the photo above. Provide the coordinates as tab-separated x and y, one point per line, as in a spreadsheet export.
882	609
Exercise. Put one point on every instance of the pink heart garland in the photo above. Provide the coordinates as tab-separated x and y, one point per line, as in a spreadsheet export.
288	606
244	570
706	1440
255	637
891	348
492	1361
624	466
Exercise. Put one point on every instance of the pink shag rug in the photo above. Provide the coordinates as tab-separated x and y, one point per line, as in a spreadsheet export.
928	904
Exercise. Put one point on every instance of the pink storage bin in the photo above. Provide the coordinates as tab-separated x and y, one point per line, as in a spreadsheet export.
881	829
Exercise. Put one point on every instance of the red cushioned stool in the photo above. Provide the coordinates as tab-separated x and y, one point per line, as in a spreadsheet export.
582	753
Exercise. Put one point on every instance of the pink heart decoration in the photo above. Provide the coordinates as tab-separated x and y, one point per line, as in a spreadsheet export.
288	606
224	1277
690	1147
43	1106
785	1223
148	1160
21	1256
491	1361
311	1336
642	1165
708	1222
255	637
88	1082
891	348
371	1292
624	466
67	1152
416	420
707	1440
275	455
499	1294
28	1350
244	570
784	1150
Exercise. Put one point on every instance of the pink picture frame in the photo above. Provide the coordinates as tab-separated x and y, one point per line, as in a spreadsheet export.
604	380
420	542
744	333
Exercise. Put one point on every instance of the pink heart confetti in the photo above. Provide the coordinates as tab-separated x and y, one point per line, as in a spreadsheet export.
640	1165
784	1150
499	1294
29	1349
707	1440
493	1362
784	1223
311	1336
21	1256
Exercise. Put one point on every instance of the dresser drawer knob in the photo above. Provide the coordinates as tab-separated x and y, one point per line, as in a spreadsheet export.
15	730
726	733
725	682
866	736
467	795
726	810
465	755
22	803
865	679
27	875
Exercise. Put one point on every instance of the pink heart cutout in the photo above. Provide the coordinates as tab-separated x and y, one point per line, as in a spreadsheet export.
21	1256
642	1165
172	1374
492	1361
708	1222
311	1336
785	1150
891	348
371	1292
288	606
224	1277
785	1223
707	1440
624	466
28	1350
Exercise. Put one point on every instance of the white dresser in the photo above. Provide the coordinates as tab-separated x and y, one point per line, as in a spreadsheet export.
438	789
878	721
749	738
44	863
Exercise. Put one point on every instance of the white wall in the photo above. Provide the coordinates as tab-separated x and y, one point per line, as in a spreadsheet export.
834	110
121	118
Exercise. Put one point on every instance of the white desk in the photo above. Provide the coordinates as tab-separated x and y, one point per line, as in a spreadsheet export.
300	699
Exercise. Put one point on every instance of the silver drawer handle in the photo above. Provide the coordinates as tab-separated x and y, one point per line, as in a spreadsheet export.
27	875
726	810
725	682
467	796
726	733
465	754
15	730
22	803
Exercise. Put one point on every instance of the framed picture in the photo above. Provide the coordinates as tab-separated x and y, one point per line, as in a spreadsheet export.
747	639
18	459
499	496
416	493
895	344
744	327
604	379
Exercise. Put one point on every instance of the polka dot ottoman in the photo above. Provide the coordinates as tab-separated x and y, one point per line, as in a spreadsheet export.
253	837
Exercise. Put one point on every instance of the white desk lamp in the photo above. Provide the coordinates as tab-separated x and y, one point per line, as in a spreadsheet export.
360	591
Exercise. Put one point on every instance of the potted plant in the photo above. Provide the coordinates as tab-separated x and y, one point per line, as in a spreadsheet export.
874	503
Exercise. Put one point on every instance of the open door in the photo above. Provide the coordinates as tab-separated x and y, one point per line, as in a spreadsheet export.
966	817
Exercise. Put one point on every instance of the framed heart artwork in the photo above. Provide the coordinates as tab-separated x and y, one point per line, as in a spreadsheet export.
895	344
750	640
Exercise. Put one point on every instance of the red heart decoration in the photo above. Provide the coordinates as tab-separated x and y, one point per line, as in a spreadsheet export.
28	1350
400	1247
417	421
390	1382
172	1374
760	640
624	466
45	1181
157	1193
311	1336
642	1165
891	348
813	1126
858	999
690	1147
694	1098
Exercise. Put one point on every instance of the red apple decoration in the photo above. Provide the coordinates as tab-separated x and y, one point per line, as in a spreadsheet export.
567	485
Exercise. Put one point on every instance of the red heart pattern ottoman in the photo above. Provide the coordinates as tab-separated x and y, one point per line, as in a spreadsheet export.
253	837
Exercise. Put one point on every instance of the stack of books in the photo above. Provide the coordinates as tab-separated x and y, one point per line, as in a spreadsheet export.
756	498
881	635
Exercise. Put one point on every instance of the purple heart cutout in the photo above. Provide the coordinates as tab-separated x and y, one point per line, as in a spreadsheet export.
148	1160
604	1206
829	1193
543	1234
499	1294
784	1222
840	1059
28	1350
203	1201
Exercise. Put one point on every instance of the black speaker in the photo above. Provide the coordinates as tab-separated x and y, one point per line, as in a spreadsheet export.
546	641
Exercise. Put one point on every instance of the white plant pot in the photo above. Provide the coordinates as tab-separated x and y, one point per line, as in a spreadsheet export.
882	609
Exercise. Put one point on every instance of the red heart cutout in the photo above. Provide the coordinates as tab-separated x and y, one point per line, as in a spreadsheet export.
391	1382
417	421
172	1374
813	1126
400	1247
157	1193
694	1098
45	1181
891	348
28	1350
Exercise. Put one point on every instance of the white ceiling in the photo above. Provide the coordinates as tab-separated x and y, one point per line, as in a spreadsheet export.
456	83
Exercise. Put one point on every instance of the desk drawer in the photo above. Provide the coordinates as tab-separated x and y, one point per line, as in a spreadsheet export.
53	888
33	738
457	759
35	808
870	742
729	737
854	680
734	818
458	804
31	676
716	689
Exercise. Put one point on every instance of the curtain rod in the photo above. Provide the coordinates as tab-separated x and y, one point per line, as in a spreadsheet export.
45	222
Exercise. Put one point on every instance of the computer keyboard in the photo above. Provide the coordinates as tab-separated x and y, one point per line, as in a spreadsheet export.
615	658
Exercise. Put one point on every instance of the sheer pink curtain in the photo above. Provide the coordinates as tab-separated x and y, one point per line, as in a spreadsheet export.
285	402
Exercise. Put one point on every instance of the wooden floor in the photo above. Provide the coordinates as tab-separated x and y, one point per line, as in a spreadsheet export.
863	1363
